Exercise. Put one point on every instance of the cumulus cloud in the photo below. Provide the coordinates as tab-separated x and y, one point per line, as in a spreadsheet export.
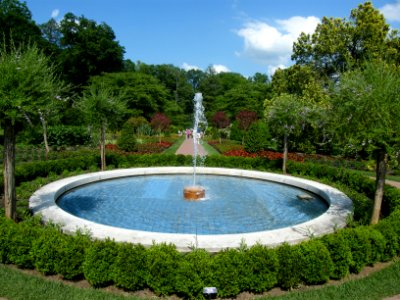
55	13
391	11
220	69
188	67
272	45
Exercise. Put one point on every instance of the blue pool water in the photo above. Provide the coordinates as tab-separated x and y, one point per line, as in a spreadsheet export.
155	203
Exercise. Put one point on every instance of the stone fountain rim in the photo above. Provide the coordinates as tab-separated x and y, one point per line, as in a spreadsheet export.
43	202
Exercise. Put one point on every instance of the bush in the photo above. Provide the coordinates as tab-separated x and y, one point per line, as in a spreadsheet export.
340	254
130	270
261	266
193	274
98	266
228	272
45	249
71	251
63	135
257	137
127	139
290	265
316	262
360	247
162	262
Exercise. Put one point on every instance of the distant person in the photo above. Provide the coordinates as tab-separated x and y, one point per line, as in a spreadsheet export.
187	133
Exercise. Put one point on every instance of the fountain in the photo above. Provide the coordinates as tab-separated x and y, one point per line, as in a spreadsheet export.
196	192
144	205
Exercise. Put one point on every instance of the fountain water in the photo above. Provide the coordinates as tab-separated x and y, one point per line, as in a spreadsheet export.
195	192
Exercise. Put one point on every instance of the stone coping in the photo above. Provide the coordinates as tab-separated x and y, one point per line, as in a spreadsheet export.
43	202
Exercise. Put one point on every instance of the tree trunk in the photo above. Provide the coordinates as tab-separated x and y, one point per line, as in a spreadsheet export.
285	153
103	147
46	143
381	162
10	198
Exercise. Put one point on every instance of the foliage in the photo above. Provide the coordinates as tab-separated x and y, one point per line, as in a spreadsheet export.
220	120
98	265
130	270
127	139
317	264
162	262
245	118
290	266
63	135
258	137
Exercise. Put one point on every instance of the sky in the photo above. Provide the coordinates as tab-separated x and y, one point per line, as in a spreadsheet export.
241	36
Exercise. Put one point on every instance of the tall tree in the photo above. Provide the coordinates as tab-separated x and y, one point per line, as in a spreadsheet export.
88	49
366	110
339	44
17	26
102	108
27	81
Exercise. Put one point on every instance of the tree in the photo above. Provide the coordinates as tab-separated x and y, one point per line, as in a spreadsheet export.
27	81
339	44
366	110
17	26
102	109
88	49
221	121
245	118
286	115
160	122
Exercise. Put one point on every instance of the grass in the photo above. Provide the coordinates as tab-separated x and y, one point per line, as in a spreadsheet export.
14	284
372	174
175	146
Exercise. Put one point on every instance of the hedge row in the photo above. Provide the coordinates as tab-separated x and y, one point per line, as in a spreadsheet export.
164	270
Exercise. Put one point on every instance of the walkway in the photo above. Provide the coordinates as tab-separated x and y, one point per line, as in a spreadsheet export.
187	148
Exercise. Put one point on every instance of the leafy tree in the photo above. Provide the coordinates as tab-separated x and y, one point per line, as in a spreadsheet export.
88	49
286	116
160	122
258	137
221	121
245	118
27	81
366	110
101	108
17	26
340	44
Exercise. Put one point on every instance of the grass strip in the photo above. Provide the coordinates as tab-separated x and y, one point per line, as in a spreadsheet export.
15	285
174	146
378	285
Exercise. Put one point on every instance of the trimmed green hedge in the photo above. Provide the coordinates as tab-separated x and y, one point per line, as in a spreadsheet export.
164	270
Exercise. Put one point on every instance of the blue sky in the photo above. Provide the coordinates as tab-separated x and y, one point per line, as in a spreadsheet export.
243	36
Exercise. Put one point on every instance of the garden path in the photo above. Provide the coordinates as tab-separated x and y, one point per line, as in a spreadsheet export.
187	148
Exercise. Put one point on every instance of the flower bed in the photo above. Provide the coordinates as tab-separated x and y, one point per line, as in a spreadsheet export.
271	155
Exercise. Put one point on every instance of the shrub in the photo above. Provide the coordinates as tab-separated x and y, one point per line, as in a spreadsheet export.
98	266
62	135
257	138
290	266
162	262
45	249
316	262
340	254
261	265
130	270
228	272
127	139
360	247
71	253
193	274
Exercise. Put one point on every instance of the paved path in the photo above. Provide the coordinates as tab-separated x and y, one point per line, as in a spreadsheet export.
187	148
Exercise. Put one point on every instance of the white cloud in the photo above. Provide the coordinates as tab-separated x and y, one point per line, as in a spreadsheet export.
220	69
55	13
272	45
391	11
188	67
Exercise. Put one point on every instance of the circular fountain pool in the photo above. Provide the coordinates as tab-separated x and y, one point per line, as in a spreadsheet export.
146	205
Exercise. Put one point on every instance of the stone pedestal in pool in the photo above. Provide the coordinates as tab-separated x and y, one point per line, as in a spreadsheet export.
194	192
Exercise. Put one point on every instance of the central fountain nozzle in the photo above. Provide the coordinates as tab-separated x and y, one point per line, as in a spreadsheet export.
194	192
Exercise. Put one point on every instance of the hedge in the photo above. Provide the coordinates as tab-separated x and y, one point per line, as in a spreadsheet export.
164	270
